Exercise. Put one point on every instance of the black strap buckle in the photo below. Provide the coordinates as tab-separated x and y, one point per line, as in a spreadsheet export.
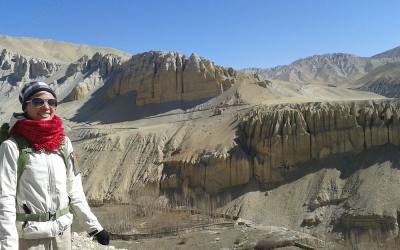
52	216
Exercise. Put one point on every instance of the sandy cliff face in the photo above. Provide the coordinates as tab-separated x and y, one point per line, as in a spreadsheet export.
93	72
15	67
272	141
74	81
227	150
152	78
279	138
159	77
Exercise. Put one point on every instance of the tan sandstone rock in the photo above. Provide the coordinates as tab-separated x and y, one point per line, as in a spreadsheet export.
16	67
159	77
282	136
96	71
265	144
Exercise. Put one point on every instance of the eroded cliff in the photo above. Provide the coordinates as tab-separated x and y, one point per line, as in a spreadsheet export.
227	150
271	141
159	77
15	67
280	137
322	167
91	74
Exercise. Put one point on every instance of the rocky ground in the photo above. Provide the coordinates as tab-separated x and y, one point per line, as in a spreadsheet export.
240	235
82	241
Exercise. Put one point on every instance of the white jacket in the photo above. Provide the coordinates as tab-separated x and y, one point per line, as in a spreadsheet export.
46	185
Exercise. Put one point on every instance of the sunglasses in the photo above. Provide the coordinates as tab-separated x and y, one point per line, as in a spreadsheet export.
39	102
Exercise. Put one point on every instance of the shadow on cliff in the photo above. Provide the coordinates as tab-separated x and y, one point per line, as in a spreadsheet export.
347	163
123	108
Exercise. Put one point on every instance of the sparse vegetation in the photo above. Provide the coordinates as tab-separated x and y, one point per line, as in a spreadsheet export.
150	216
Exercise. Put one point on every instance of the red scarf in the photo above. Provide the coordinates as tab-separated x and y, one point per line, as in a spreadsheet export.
41	134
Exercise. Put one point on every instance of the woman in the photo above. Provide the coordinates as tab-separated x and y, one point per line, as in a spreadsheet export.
35	206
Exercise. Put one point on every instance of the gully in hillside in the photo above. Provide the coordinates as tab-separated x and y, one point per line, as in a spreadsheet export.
39	185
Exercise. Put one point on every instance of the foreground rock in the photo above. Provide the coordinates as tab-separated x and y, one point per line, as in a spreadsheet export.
82	241
242	236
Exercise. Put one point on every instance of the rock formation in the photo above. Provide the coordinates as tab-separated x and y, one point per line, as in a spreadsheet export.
117	167
155	77
281	137
16	68
273	140
95	72
265	144
159	77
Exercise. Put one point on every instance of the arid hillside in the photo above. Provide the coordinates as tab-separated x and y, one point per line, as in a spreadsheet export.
384	80
340	69
54	51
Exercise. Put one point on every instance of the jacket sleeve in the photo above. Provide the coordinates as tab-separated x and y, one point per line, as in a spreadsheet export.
77	197
9	154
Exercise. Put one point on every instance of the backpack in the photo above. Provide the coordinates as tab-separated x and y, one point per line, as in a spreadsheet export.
25	149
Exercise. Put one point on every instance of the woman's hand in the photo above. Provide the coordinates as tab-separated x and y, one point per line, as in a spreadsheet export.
103	237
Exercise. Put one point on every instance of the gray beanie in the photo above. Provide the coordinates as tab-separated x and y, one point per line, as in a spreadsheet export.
32	88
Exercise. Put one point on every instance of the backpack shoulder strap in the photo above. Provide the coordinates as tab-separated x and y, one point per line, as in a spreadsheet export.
63	150
24	151
4	132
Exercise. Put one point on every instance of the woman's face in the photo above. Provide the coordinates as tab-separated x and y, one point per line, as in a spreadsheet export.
39	110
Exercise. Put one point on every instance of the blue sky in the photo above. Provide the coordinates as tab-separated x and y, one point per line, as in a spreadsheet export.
235	33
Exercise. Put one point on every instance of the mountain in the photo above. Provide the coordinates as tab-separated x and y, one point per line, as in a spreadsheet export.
54	51
392	53
327	69
384	80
